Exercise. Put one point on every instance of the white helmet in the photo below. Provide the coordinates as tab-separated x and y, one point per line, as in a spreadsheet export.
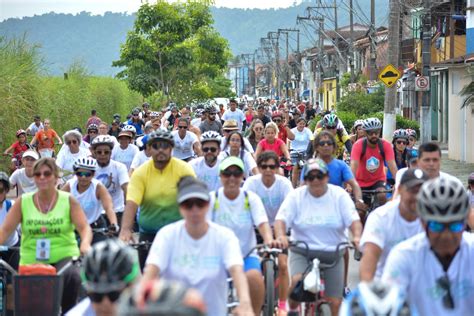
129	128
371	124
443	200
211	136
103	140
85	163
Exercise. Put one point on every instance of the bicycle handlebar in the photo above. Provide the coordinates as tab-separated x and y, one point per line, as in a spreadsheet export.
377	191
335	253
264	249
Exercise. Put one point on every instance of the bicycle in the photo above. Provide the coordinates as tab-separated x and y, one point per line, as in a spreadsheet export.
315	302
300	158
232	301
371	200
5	270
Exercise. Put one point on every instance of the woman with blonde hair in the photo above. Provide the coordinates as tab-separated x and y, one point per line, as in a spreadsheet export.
273	143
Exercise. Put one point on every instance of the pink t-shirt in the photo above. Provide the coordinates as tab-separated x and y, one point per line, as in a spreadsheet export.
371	166
276	146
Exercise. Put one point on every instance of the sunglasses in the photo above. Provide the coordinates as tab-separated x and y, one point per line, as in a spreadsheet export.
277	121
325	142
437	227
312	176
182	127
399	142
160	145
135	114
188	204
86	174
105	152
69	142
209	149
98	297
212	113
271	167
92	132
236	173
445	285
45	174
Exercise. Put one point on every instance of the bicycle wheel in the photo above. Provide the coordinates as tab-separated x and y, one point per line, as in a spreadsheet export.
269	276
323	310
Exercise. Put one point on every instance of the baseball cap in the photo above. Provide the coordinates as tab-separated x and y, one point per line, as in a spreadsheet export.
231	161
230	125
413	177
125	133
190	187
31	153
315	164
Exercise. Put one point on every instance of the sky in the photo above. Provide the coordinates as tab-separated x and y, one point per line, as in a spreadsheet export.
21	8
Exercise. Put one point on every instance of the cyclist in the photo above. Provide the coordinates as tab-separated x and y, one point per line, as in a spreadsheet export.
48	219
368	157
272	188
142	156
186	143
112	174
10	256
153	188
23	178
235	146
114	129
126	150
170	118
44	139
357	131
197	252
231	126
411	138
35	126
284	131
18	148
318	214
390	224
330	123
73	151
136	121
93	119
234	113
108	269
435	267
210	123
207	166
255	133
262	116
145	112
92	196
273	143
429	160
298	146
399	141
92	132
240	211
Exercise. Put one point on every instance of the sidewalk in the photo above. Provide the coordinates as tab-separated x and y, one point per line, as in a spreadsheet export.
458	169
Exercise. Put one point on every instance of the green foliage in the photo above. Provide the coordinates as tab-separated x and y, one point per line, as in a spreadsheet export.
362	103
173	48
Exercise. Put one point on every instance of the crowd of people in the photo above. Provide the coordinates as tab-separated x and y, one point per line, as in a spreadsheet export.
200	186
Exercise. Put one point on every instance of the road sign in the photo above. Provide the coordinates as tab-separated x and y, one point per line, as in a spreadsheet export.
389	75
422	83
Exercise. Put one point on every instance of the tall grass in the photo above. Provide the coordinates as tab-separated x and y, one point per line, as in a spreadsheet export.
24	92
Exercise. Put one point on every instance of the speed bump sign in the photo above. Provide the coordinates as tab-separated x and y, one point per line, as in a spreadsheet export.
389	75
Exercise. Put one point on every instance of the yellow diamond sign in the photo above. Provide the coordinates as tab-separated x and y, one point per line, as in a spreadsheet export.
389	75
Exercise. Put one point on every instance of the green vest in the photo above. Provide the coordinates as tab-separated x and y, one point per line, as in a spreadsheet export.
55	225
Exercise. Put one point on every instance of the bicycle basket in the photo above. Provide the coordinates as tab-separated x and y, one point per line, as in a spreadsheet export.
37	269
37	295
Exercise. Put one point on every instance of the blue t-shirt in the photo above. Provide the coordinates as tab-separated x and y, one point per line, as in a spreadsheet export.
339	172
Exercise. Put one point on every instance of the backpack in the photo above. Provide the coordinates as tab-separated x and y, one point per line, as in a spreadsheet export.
380	145
8	204
216	204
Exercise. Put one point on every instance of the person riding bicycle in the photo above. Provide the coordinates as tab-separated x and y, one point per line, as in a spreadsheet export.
298	146
10	256
284	131
153	188
73	151
357	131
23	178
48	220
241	211
435	267
186	143
400	150
126	151
210	123
318	214
235	146
234	113
197	252
108	269
44	140
92	132
18	148
412	136
390	224
273	143
136	122
34	127
368	157
92	196
330	123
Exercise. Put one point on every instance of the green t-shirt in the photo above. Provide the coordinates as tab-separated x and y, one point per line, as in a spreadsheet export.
54	227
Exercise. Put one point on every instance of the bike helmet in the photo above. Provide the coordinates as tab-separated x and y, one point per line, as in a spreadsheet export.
400	133
276	114
371	124
154	114
358	123
443	200
211	136
376	298
209	108
198	112
109	266
92	127
330	120
103	140
6	180
116	116
130	128
19	132
85	163
173	299
161	135
136	111
411	132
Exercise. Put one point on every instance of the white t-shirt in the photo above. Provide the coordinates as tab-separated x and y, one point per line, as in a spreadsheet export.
209	175
201	264
415	268
247	158
22	181
302	139
443	175
271	197
126	155
88	199
83	308
320	221
113	176
33	128
385	227
13	238
196	122
66	159
183	148
236	115
247	145
139	159
236	216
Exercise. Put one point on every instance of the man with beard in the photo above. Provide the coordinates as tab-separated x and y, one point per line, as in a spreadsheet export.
210	123
368	156
207	167
153	187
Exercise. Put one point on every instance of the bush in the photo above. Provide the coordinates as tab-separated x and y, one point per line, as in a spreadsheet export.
362	103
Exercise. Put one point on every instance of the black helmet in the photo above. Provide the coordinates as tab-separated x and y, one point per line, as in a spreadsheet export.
161	135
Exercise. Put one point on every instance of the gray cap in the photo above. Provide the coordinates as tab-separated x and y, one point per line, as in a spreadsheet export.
413	177
192	188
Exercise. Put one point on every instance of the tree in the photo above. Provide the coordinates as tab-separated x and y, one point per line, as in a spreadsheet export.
174	49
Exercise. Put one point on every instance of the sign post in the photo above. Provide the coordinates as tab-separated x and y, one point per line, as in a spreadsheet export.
389	75
422	83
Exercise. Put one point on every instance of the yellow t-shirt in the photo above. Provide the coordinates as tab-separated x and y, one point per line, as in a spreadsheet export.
155	191
340	141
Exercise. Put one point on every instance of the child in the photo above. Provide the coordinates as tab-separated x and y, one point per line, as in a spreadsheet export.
18	148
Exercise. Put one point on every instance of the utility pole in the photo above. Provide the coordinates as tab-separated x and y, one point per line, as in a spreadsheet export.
277	59
373	53
426	59
389	116
351	42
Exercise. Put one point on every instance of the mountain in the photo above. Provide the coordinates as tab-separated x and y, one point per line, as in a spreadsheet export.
95	40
